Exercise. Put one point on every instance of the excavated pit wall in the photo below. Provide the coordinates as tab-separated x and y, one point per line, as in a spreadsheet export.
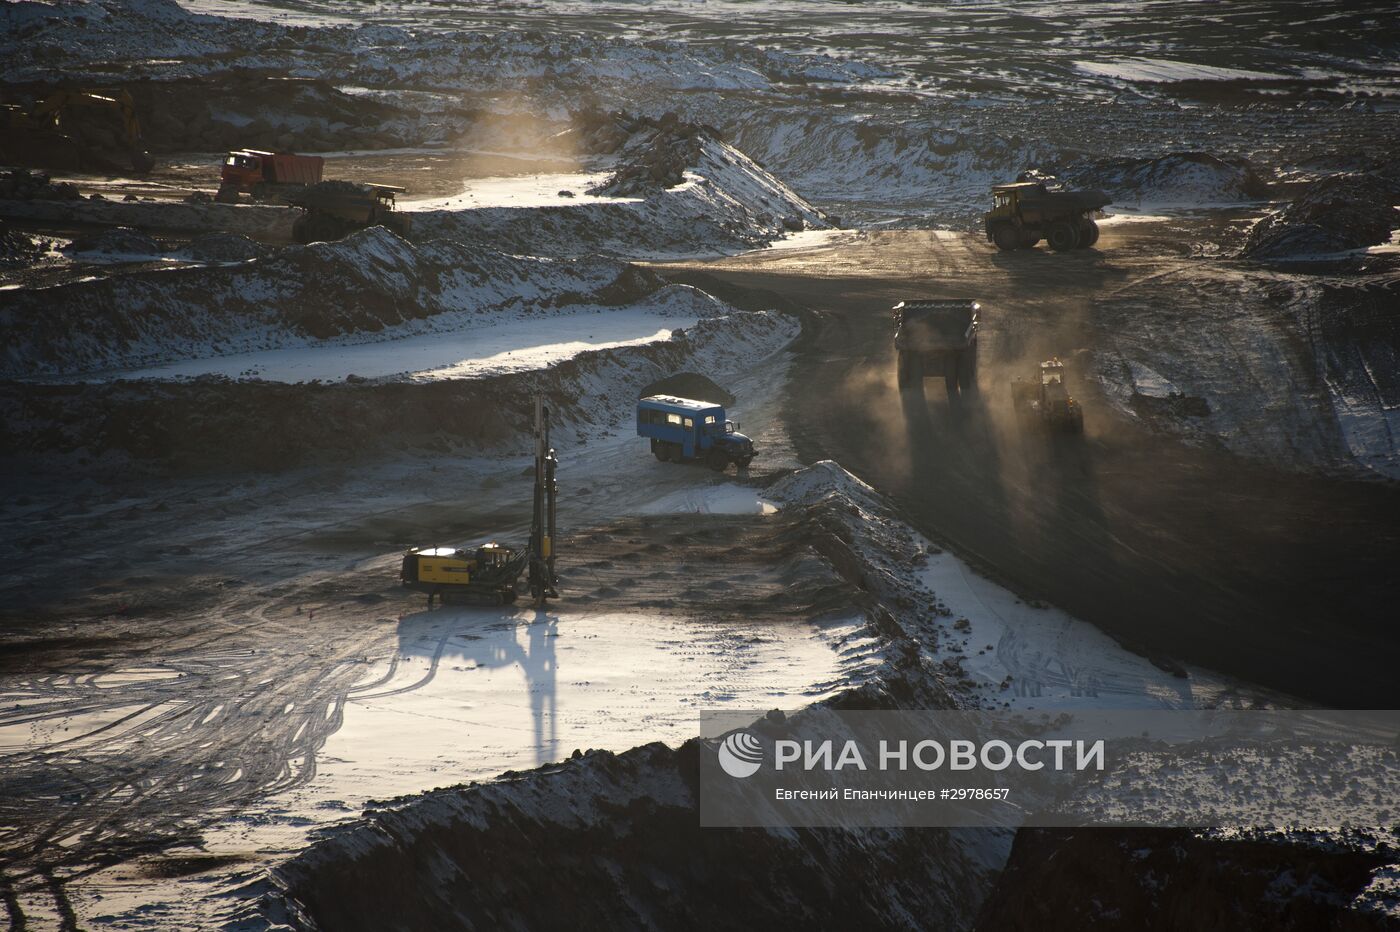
218	425
256	220
367	284
612	840
1170	879
615	838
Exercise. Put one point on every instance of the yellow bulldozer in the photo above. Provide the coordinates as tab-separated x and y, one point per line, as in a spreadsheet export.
76	129
1048	399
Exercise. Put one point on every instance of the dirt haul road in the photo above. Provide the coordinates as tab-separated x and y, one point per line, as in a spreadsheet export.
237	697
1183	553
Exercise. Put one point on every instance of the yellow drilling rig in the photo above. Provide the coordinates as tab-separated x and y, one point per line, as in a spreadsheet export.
490	574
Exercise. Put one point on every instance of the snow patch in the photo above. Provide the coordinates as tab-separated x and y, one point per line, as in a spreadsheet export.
726	499
1150	383
817	482
371	287
501	344
1161	70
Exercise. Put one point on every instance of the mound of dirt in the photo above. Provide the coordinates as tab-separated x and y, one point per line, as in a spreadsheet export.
23	184
224	247
363	284
1178	879
1178	177
213	424
728	201
242	108
654	158
689	385
329	188
595	130
618	835
17	249
1341	212
118	241
281	114
167	216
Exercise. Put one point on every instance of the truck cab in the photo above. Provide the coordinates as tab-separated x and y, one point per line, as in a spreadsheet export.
684	430
243	168
1006	198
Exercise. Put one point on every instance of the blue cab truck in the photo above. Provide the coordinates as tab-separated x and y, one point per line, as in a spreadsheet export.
683	430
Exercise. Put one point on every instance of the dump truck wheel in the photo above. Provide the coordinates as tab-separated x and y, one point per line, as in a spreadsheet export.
967	373
1088	234
909	371
1062	236
950	384
311	229
1029	239
717	461
315	228
228	194
1006	237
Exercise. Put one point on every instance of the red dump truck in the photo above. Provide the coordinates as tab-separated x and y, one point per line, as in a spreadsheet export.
267	176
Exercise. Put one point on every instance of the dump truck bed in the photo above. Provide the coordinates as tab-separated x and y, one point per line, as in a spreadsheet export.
1062	202
351	200
288	168
931	325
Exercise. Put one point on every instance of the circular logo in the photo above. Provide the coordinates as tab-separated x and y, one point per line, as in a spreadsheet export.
740	754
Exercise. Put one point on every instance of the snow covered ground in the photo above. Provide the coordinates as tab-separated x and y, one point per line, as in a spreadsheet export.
457	695
452	694
722	202
533	190
1287	368
1077	667
463	695
470	694
995	649
372	287
931	109
489	348
1159	70
905	122
1033	656
712	500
